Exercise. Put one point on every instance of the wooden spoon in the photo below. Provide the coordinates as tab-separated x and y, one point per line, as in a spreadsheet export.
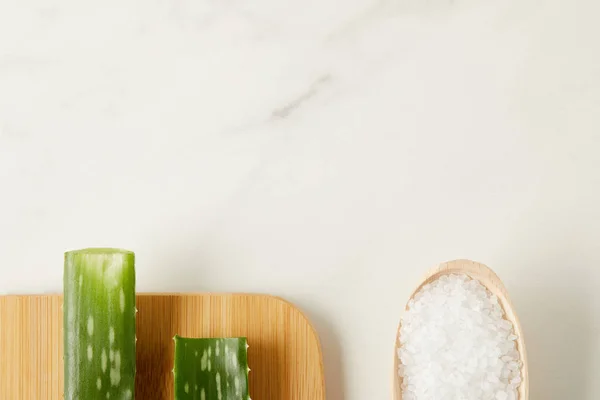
492	282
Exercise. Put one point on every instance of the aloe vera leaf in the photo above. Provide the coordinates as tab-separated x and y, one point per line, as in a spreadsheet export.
99	324
211	368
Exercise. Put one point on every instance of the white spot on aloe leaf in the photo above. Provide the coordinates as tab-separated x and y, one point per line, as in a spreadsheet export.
122	300
111	335
209	364
111	355
217	351
115	372
234	360
128	394
115	377
203	361
103	360
186	388
237	386
107	395
210	351
202	394
90	352
90	325
99	383
80	280
111	272
218	381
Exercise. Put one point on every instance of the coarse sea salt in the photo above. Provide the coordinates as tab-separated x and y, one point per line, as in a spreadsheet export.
456	345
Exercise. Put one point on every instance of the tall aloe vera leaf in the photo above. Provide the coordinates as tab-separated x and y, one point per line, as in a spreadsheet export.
211	368
99	324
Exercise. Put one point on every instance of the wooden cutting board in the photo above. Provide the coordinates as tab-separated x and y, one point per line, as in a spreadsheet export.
284	354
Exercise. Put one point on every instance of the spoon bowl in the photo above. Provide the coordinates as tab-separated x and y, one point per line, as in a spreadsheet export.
492	282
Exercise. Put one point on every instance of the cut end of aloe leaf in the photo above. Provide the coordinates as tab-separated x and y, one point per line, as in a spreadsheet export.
211	368
102	251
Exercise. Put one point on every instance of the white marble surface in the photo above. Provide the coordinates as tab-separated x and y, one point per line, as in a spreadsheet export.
326	151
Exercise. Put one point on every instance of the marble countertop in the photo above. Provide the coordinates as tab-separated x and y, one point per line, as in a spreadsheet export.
326	151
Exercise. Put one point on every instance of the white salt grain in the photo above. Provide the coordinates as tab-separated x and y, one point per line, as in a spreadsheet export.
456	345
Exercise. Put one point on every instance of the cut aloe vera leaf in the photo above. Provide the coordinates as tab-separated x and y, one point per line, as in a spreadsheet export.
99	324
211	368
